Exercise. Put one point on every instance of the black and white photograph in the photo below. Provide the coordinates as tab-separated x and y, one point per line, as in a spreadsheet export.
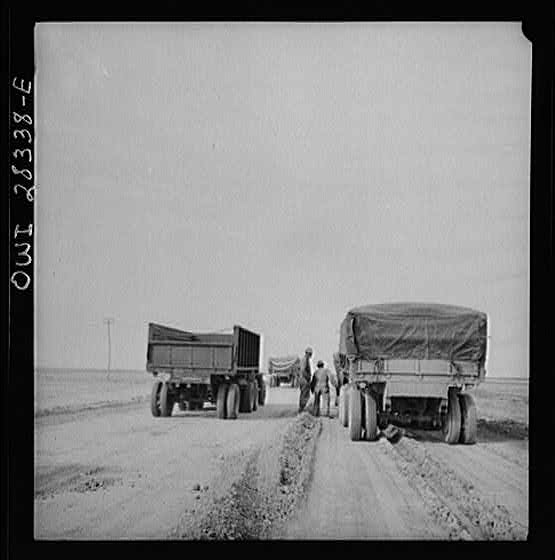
281	280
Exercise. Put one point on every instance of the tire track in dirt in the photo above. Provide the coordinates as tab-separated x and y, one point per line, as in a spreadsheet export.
268	489
162	466
357	493
451	499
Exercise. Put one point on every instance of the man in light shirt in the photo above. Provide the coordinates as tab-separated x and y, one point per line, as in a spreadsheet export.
321	382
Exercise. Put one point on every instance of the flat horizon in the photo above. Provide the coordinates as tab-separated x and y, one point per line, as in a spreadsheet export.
104	370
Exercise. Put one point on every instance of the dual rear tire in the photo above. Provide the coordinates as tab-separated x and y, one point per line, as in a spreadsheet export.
343	409
262	394
232	399
460	424
254	395
155	398
362	415
161	399
469	419
227	401
355	414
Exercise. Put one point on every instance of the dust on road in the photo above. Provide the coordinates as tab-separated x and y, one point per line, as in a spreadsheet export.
118	473
419	488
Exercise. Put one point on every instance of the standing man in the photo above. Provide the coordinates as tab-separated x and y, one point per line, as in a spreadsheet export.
304	379
322	380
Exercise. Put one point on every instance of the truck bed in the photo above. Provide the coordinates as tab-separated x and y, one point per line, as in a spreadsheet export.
201	354
418	377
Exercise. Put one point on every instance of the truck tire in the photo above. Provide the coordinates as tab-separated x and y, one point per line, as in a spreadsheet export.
469	422
182	406
244	398
278	381
221	401
166	401
232	401
262	394
344	405
155	398
252	396
355	414
255	395
370	418
452	423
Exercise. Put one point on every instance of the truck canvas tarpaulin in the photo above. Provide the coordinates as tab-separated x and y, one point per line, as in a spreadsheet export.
284	363
421	331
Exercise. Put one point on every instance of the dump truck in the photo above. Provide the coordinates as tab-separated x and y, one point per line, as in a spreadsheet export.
411	364
191	369
284	369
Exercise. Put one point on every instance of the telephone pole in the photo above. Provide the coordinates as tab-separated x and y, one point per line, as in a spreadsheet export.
109	321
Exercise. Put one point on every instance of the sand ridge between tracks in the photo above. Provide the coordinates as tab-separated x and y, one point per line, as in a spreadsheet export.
269	483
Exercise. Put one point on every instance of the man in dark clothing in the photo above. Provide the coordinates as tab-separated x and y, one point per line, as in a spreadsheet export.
304	379
321	387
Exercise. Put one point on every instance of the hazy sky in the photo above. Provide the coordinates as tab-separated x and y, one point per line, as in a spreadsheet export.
274	176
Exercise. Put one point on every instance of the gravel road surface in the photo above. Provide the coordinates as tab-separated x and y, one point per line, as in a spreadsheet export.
419	488
115	472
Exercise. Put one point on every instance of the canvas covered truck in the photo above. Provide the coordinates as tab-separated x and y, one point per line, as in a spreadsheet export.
193	368
411	364
284	370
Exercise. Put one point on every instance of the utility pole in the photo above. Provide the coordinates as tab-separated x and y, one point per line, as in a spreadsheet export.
109	321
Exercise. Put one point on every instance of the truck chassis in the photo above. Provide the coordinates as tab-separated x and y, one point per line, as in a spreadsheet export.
424	393
243	392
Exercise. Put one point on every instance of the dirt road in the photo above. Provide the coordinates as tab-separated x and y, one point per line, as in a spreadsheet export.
116	472
419	488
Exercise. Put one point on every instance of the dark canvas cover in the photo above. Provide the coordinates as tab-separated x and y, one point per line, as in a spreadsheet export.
423	331
159	333
284	363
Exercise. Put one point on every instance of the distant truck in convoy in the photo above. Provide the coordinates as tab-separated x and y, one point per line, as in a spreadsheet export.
193	368
411	364
284	369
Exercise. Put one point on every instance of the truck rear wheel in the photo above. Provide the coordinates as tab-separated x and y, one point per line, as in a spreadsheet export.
452	423
221	401
346	392
244	398
155	398
166	401
253	396
355	414
469	422
232	401
262	394
343	413
370	418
